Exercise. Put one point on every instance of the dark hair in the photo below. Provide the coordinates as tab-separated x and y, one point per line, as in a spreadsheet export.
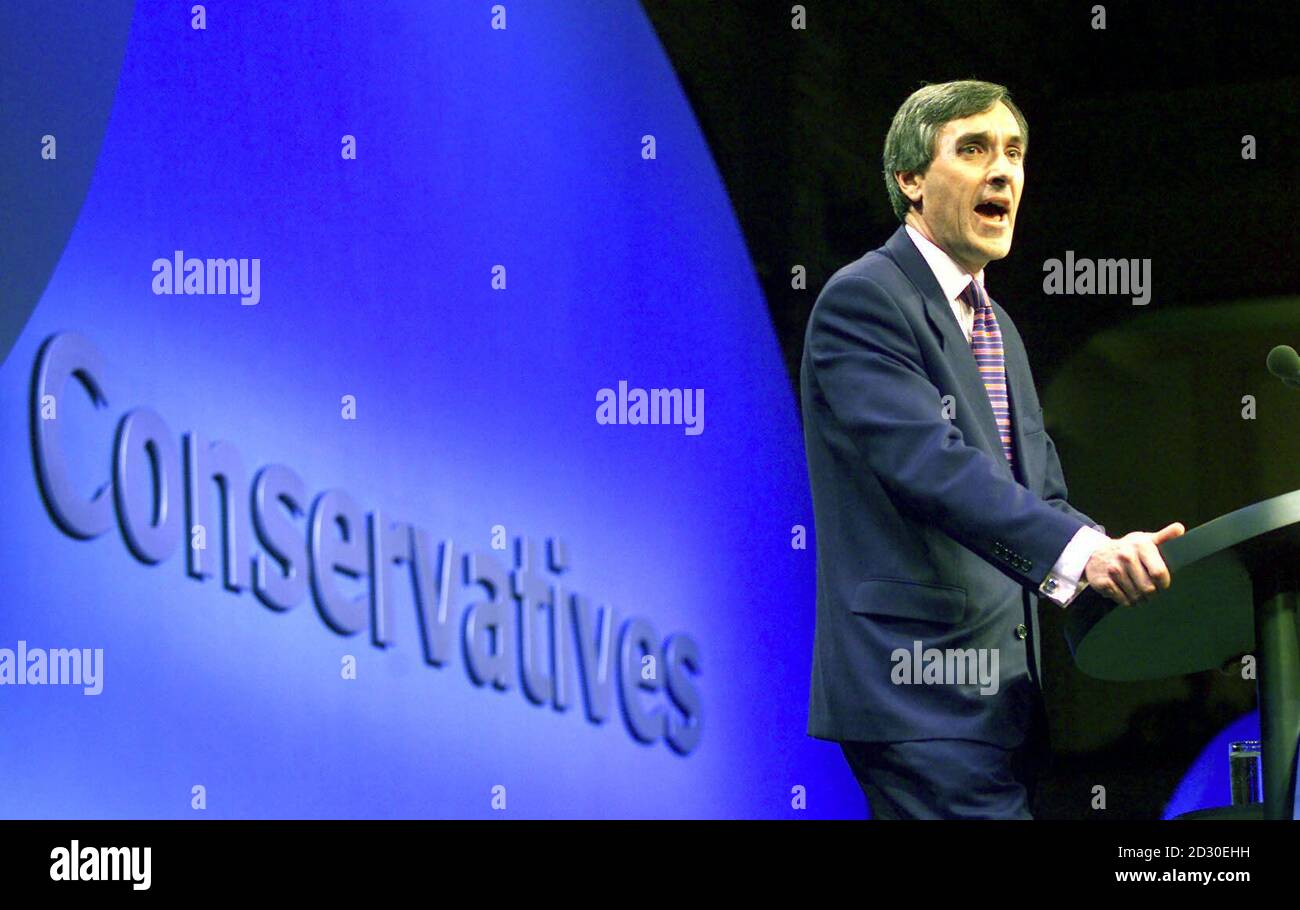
909	144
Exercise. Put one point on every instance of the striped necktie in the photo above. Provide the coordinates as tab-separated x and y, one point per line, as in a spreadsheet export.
986	344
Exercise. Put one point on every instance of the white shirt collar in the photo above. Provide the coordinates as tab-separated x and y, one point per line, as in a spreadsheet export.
952	279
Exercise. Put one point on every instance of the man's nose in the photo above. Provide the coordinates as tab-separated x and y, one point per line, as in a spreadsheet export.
1000	169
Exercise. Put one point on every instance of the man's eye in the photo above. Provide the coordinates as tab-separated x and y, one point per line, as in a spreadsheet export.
967	148
1016	154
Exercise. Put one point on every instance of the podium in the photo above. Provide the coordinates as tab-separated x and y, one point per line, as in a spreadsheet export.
1234	587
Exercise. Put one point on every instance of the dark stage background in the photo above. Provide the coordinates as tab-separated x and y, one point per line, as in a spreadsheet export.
1160	412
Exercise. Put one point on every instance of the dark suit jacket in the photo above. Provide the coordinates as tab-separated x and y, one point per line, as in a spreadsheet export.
923	532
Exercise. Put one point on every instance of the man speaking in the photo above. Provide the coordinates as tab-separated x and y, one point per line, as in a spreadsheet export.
940	505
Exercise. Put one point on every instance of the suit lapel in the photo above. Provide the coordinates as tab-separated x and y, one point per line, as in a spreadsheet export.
951	338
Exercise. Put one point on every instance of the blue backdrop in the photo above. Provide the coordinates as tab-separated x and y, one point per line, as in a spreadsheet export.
381	360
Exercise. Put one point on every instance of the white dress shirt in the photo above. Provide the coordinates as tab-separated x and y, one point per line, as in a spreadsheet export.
1066	580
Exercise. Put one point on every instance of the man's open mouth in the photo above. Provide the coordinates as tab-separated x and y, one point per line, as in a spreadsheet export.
994	211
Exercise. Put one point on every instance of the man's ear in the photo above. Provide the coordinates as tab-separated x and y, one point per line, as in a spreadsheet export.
911	183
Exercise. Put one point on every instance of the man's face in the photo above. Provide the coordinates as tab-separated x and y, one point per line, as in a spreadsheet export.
978	168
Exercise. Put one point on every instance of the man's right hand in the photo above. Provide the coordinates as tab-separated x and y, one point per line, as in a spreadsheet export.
1130	570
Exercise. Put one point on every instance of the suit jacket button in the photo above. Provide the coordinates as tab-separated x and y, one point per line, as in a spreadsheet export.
1022	632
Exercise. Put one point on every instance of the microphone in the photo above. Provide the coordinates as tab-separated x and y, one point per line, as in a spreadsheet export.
1284	363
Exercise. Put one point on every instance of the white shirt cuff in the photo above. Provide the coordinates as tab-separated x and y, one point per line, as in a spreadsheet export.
1065	581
